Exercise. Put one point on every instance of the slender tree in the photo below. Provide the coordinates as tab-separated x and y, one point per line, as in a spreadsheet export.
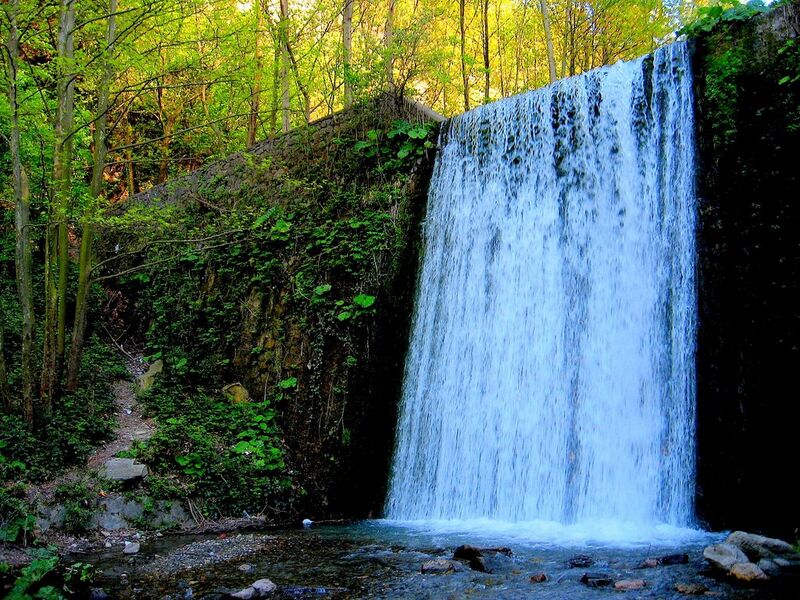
6	398
347	50
23	260
485	42
548	37
99	153
57	241
283	28
462	25
255	98
388	44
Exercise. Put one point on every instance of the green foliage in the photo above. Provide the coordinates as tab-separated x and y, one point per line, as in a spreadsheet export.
43	564
725	11
789	55
79	505
227	456
288	383
78	577
396	148
16	518
80	421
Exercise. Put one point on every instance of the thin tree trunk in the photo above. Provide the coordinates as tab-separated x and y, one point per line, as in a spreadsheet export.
300	86
48	380
56	243
485	41
63	161
283	28
501	51
347	50
23	257
96	190
130	175
255	99
5	389
548	36
276	82
518	34
462	28
388	41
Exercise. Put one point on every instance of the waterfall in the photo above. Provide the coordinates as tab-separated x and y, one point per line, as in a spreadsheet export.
551	369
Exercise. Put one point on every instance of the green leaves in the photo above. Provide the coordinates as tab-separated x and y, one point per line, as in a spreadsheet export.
727	11
362	304
322	290
392	148
288	383
364	300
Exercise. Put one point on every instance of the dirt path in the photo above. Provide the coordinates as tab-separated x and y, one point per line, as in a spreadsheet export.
131	426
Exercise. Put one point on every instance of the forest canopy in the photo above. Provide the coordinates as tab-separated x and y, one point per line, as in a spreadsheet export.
195	80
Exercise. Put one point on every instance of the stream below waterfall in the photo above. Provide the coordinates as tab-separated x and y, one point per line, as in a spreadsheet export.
377	559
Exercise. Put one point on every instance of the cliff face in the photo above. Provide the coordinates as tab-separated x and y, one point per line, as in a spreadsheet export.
748	118
309	303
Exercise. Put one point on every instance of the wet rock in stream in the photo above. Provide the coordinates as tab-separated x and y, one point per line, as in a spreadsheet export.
581	561
627	585
258	589
439	566
596	580
691	589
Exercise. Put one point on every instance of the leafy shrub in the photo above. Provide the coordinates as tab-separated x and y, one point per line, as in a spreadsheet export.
16	520
228	456
79	506
81	420
725	11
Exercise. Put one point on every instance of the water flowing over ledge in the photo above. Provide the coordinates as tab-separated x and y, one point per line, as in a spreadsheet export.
550	376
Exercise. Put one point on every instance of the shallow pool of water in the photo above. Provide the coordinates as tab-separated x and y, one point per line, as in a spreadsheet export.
380	559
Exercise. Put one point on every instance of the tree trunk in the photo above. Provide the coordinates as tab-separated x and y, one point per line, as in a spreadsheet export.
23	257
130	174
300	86
548	36
276	83
163	166
56	243
283	27
388	41
255	98
5	389
99	162
462	28
485	41
63	160
347	50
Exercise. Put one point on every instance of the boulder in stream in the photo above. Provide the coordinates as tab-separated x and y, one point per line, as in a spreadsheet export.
757	547
724	556
690	589
131	548
627	585
472	556
747	572
258	589
581	561
597	579
438	566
